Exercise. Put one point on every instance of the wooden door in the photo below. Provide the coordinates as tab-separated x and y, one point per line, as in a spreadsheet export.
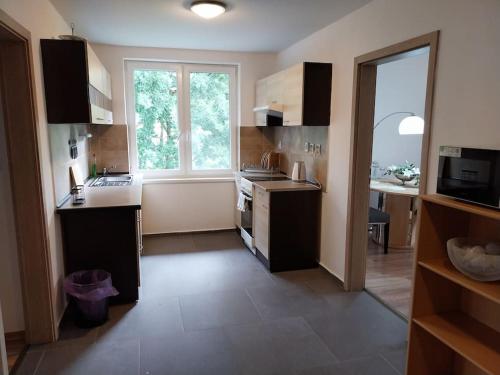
4	370
20	119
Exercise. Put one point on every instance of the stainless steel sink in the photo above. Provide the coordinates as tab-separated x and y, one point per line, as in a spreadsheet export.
112	181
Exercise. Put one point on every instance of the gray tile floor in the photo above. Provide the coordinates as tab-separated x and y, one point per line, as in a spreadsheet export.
209	307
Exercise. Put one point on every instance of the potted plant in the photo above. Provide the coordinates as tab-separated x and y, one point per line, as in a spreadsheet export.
404	172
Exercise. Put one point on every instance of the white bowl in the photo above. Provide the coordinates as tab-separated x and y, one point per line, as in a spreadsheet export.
478	259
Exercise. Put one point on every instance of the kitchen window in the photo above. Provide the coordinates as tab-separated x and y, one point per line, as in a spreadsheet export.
181	119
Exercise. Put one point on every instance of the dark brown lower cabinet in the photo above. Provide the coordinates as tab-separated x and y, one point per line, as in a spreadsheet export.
108	239
287	228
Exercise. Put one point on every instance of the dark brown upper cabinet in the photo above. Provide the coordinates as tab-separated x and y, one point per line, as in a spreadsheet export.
77	86
303	91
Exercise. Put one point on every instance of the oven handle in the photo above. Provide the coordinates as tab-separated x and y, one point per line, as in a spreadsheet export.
247	197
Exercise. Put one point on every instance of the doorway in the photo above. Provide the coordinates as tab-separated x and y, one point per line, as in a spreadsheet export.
365	122
27	250
394	178
10	280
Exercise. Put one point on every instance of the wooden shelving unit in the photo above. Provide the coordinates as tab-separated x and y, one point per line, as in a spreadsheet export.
455	321
474	341
444	268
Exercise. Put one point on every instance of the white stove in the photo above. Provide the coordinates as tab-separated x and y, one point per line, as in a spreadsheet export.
246	188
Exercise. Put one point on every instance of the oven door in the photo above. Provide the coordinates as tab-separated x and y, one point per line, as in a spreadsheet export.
247	223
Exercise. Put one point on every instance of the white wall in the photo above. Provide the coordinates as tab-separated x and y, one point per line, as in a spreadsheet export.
43	21
188	207
467	88
10	281
182	207
401	86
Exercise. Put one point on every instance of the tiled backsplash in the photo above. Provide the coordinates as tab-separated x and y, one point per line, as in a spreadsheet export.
253	142
59	135
289	142
109	143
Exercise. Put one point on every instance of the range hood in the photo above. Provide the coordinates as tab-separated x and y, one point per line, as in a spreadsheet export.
273	109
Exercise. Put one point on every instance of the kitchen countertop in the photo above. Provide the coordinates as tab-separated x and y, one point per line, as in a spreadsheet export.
288	185
108	196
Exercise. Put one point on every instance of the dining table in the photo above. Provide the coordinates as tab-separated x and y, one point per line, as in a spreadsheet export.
399	201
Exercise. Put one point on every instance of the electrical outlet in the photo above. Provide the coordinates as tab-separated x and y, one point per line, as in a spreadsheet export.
317	149
306	146
73	148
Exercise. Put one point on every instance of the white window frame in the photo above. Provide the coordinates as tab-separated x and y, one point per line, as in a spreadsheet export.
183	71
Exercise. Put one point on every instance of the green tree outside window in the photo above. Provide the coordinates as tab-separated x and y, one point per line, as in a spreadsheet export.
158	130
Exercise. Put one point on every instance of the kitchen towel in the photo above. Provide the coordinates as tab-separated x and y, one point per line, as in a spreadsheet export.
242	202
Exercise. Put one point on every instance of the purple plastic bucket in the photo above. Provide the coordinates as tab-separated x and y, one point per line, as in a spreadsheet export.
90	290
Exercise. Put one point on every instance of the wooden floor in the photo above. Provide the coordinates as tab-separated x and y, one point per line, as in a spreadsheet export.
389	276
16	346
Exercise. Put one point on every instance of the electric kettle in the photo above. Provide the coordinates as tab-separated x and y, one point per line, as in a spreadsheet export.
299	171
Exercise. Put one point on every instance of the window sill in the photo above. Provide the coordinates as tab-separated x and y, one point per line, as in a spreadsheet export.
186	180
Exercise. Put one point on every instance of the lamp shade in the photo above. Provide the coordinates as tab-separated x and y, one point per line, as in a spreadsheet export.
411	125
208	9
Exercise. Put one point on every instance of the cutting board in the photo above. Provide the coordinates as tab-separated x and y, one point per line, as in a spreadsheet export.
76	175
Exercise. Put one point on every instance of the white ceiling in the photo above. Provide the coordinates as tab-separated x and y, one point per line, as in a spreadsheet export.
249	25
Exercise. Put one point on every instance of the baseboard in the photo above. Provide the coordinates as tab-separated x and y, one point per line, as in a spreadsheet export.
15	337
262	258
338	279
16	347
201	231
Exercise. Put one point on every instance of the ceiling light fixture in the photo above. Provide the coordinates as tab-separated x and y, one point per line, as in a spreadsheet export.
208	9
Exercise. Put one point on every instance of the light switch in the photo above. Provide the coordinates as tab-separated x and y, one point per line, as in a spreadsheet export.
306	147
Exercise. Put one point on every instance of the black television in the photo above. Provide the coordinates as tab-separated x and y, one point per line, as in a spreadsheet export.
470	174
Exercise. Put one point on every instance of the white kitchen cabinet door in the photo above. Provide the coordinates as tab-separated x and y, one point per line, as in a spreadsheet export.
261	220
99	77
107	84
96	77
274	88
260	101
100	115
260	92
293	86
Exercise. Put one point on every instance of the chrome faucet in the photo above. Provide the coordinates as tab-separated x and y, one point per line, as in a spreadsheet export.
105	171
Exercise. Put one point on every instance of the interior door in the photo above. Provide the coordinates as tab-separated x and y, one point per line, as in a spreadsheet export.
4	370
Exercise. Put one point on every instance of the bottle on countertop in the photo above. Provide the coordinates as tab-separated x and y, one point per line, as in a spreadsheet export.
93	167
